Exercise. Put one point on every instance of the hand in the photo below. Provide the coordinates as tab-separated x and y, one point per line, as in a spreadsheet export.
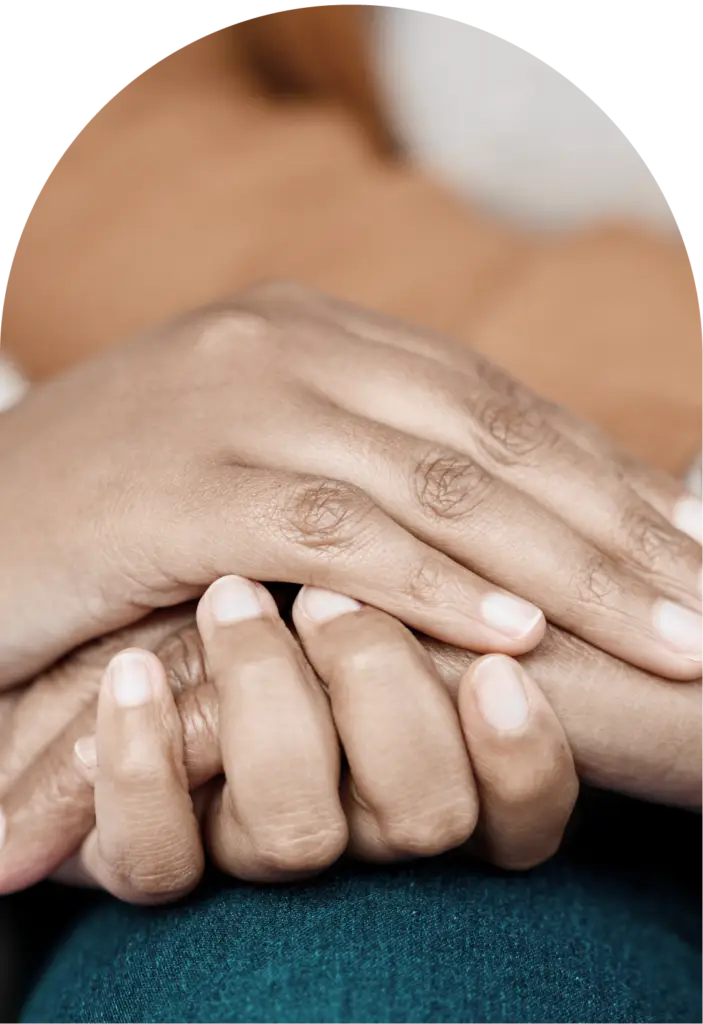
628	730
285	436
410	790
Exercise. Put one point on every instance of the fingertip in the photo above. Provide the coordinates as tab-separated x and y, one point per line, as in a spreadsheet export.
496	688
520	624
233	599
315	606
132	678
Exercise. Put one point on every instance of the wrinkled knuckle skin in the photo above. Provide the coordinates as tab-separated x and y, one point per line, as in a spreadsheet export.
183	658
425	581
326	514
513	432
649	541
428	833
449	486
153	876
291	850
199	715
594	584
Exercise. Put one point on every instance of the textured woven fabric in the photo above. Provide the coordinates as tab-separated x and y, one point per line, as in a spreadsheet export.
601	934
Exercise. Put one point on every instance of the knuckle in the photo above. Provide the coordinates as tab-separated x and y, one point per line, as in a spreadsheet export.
220	330
431	831
449	486
326	514
648	539
183	658
513	431
425	580
594	583
199	714
154	873
303	847
521	789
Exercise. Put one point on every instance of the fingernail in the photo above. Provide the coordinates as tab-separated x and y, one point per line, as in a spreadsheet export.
86	751
3	828
130	679
680	627
234	599
688	516
323	605
510	615
501	695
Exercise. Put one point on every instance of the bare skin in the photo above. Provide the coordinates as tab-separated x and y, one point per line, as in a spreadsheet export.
402	797
284	436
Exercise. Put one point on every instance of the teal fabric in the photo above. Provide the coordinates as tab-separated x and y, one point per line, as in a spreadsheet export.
597	935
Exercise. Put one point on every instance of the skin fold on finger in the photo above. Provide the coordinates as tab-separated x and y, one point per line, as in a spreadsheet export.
408	482
49	809
279	815
502	428
524	770
327	531
628	730
411	791
75	871
650	750
48	705
146	845
661	491
450	501
664	493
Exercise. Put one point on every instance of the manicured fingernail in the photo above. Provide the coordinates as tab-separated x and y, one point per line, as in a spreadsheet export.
501	695
130	679
680	627
86	751
3	828
510	615
688	517
323	605
234	599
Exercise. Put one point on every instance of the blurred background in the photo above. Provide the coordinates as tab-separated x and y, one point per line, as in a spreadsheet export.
403	161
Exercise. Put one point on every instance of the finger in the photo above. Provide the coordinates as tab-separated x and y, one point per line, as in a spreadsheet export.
668	496
278	815
50	704
522	762
479	411
49	810
76	872
449	500
146	844
323	531
411	792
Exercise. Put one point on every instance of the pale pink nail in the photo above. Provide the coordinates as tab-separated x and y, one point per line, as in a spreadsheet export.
509	615
681	628
86	751
323	605
688	517
3	828
501	695
234	599
130	679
